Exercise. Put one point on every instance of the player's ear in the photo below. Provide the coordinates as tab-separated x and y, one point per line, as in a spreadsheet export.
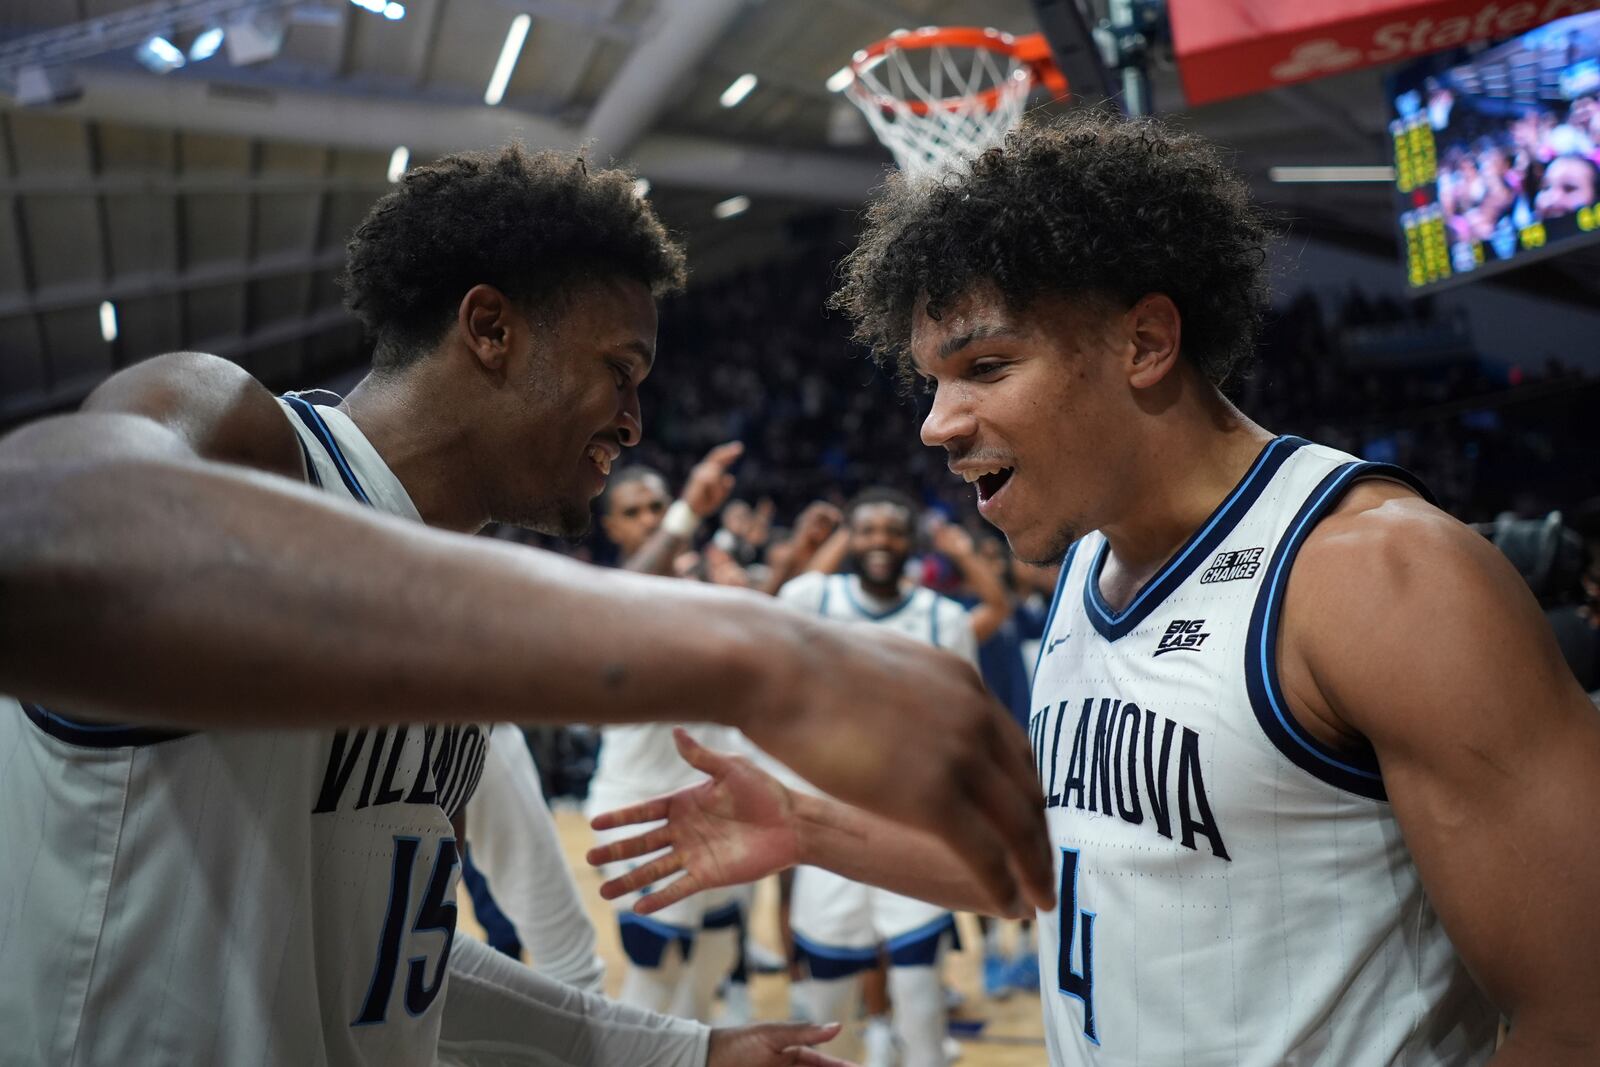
1154	330
488	324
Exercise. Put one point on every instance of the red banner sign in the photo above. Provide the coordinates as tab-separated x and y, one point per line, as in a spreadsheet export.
1233	47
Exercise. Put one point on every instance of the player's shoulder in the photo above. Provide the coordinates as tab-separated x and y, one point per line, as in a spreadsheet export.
804	589
214	404
1384	534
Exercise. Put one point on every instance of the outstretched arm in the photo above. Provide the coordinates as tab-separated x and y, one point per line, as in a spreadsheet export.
704	493
994	602
742	824
143	538
498	1013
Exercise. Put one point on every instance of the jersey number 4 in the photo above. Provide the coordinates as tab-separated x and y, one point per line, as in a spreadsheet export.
435	913
1076	983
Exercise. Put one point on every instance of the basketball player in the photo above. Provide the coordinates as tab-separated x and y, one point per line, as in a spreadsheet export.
839	924
677	957
189	561
522	874
1320	787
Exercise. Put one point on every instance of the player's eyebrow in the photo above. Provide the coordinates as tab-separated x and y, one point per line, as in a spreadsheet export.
978	333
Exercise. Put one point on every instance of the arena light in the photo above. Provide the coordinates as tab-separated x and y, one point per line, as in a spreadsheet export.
108	321
740	88
159	55
394	12
399	160
515	36
641	187
839	80
1375	173
205	46
734	205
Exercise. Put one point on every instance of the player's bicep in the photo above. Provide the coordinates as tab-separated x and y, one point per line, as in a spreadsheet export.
1437	653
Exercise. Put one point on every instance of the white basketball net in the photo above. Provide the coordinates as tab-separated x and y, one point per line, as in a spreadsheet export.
937	107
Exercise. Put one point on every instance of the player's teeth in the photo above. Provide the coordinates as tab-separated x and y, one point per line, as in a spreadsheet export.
600	459
972	476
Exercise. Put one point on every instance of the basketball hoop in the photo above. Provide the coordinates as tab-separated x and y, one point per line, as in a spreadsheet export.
941	95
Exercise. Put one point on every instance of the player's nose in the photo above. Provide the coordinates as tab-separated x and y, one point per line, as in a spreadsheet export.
948	420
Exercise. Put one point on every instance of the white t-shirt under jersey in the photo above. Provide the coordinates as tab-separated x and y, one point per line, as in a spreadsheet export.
234	898
1232	892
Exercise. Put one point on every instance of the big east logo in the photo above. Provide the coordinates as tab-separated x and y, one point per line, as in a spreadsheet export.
1183	635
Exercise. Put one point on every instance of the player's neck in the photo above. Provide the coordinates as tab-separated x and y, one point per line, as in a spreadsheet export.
1197	453
400	416
883	593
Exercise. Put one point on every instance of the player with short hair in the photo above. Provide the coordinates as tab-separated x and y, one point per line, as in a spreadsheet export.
228	835
1320	787
838	924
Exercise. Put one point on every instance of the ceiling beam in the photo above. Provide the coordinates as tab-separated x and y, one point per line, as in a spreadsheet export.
302	117
162	283
19	407
681	38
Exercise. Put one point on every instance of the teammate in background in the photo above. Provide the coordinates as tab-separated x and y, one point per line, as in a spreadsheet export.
180	877
678	956
1320	786
515	869
839	924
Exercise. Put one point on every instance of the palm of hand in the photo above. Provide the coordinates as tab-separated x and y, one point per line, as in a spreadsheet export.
733	829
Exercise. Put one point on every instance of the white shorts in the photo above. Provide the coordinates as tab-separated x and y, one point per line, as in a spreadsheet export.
839	924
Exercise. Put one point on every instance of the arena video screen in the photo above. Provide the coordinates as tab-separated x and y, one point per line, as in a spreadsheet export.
1497	153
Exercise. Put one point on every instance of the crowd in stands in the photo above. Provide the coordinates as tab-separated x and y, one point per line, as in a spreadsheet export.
755	358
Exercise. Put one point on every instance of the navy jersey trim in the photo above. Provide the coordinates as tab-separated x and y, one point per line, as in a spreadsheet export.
1114	625
1355	772
319	429
97	734
1055	602
311	467
875	616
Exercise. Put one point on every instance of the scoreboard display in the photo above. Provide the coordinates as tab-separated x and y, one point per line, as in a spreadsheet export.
1497	153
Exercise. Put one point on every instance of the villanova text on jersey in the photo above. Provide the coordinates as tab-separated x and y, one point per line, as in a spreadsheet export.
445	771
1128	763
1232	892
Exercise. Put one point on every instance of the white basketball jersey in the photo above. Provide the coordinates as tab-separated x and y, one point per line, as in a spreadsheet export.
640	761
251	897
921	614
1233	893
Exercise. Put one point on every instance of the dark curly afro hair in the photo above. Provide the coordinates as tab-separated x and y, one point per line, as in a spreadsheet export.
530	224
1092	203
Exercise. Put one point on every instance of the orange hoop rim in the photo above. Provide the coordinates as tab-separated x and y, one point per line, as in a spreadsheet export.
1032	50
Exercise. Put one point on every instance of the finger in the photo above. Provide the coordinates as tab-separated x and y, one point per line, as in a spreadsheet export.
667	895
1016	817
790	1035
699	756
970	833
1036	865
727	483
810	1057
726	454
646	811
642	876
630	847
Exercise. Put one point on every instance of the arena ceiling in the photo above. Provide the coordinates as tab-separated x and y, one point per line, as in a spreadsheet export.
210	204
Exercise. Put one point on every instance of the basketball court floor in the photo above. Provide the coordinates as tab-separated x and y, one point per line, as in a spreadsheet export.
1012	1034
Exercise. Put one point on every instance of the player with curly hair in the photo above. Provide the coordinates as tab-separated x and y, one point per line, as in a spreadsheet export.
1319	785
254	668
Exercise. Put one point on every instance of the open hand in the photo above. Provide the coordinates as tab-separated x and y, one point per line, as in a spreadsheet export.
735	827
772	1045
709	484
